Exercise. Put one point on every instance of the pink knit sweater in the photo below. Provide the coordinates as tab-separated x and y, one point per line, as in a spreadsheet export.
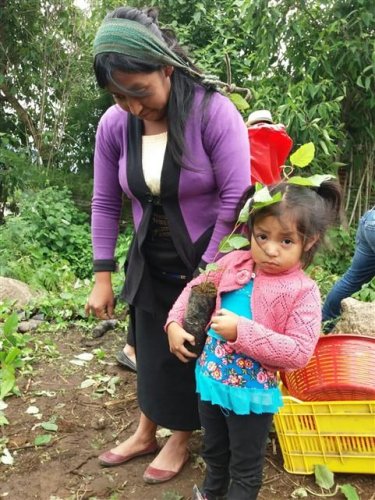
286	312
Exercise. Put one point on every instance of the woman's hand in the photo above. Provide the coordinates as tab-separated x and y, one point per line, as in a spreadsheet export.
225	324
176	337
101	302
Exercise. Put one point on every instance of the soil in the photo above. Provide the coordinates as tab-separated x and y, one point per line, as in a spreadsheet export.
89	420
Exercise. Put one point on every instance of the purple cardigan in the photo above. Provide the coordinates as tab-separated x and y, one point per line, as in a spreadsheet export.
218	161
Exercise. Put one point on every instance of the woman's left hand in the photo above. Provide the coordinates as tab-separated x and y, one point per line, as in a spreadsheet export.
225	324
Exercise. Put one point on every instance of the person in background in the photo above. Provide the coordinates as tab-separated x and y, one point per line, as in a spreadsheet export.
361	270
179	150
270	146
268	316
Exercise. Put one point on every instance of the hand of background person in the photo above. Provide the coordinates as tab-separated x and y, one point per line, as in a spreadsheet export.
101	302
225	323
176	338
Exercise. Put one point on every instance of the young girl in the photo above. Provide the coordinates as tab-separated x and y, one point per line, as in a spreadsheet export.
267	318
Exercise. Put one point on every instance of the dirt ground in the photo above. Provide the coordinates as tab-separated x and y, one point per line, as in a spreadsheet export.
90	419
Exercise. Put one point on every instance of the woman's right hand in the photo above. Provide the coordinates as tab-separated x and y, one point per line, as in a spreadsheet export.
177	337
101	302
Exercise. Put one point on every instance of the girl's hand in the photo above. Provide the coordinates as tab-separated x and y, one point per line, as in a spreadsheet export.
176	337
225	324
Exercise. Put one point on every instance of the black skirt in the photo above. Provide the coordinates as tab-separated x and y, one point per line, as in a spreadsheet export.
166	386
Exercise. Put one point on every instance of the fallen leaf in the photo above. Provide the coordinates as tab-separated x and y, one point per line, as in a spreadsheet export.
87	383
77	362
32	410
85	356
162	433
7	458
42	439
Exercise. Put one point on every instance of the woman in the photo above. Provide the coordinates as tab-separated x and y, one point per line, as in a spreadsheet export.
179	151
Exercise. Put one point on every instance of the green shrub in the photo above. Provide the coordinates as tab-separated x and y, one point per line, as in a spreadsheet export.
48	242
336	255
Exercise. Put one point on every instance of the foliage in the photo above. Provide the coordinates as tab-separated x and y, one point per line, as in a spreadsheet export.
335	256
46	81
13	349
367	292
48	243
14	172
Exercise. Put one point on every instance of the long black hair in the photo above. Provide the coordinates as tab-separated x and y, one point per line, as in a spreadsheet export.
314	210
182	83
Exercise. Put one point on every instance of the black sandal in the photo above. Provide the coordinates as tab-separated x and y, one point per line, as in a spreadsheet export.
124	360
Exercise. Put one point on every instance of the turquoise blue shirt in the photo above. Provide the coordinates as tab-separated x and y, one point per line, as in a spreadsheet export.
232	380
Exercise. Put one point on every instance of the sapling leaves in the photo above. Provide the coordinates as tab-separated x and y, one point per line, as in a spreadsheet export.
262	195
233	241
244	213
267	201
303	156
312	181
211	267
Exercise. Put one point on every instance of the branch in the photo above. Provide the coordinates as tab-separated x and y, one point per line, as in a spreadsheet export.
23	115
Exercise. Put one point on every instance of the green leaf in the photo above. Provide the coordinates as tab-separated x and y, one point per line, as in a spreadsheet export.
7	380
10	324
312	181
211	267
244	214
349	492
323	145
13	353
262	195
3	419
359	82
303	156
233	242
42	439
49	426
240	103
324	477
197	17
274	199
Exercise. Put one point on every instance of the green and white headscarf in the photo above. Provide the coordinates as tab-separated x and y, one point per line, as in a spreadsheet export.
133	39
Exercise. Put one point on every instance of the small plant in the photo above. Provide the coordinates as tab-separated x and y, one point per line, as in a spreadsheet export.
13	348
367	292
325	479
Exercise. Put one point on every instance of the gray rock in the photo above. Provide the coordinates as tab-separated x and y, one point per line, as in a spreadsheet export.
28	326
357	318
15	291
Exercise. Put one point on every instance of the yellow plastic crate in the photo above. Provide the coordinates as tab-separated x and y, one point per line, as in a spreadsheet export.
338	434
